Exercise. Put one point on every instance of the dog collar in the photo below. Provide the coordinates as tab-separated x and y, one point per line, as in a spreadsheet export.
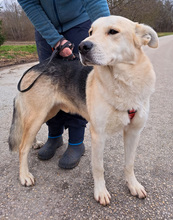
131	113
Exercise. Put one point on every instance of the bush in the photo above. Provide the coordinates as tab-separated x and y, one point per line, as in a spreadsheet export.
2	38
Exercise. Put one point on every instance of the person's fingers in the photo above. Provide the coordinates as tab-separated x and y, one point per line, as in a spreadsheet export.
65	52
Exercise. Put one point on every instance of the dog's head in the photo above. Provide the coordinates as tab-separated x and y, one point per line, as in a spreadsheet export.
115	39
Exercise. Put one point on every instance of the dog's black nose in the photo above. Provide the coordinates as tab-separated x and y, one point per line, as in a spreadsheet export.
85	46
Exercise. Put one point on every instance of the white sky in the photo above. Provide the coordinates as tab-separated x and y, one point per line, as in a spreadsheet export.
3	1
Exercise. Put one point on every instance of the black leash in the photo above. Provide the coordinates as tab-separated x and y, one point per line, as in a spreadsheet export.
30	86
55	52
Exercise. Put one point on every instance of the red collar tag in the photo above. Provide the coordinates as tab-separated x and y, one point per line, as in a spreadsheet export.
131	113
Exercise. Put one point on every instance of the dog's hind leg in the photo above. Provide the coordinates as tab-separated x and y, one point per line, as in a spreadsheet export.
100	192
32	125
131	138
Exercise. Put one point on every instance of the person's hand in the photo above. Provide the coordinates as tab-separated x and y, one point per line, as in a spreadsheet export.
66	51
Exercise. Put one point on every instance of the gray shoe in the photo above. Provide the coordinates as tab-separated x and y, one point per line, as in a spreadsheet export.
71	157
49	148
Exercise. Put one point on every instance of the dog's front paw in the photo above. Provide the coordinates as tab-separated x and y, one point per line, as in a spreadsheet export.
136	189
27	179
102	196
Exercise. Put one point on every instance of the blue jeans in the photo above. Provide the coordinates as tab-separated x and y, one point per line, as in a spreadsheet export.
75	123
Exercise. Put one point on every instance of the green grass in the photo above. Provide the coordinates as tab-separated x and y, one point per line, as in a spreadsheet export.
162	34
12	51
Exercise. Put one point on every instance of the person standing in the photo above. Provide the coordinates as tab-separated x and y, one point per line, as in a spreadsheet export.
61	23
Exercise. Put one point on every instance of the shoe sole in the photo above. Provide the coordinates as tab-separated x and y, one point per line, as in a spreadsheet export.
45	158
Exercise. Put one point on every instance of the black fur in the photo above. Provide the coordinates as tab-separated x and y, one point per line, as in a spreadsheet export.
12	141
70	75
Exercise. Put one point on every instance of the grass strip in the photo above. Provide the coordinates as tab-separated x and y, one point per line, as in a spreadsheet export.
162	34
14	51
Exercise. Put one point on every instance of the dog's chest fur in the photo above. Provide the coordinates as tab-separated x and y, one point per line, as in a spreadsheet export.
123	92
126	90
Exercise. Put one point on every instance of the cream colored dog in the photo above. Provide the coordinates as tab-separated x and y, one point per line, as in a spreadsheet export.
112	96
123	79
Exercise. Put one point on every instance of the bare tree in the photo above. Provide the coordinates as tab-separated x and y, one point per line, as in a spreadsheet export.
16	25
156	13
165	20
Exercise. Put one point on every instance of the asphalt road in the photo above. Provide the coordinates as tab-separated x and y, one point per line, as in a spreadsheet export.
68	194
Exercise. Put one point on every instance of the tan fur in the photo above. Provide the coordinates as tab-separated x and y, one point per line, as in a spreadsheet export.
122	79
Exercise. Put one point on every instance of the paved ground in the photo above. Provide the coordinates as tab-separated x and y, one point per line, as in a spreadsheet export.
60	194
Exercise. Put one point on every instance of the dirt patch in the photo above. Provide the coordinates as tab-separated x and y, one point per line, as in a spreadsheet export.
18	60
19	42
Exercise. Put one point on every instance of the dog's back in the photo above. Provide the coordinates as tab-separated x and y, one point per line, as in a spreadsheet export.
71	77
68	77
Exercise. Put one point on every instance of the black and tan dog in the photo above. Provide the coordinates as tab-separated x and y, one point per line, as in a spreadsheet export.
121	80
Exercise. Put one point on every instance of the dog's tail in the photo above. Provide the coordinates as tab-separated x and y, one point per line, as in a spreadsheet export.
15	135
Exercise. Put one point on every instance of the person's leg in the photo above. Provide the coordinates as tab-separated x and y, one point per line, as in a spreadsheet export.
55	140
56	124
75	123
76	129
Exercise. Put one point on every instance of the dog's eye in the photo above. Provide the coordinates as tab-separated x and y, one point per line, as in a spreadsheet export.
90	33
112	32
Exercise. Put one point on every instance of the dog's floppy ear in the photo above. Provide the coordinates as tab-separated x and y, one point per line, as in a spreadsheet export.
145	35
